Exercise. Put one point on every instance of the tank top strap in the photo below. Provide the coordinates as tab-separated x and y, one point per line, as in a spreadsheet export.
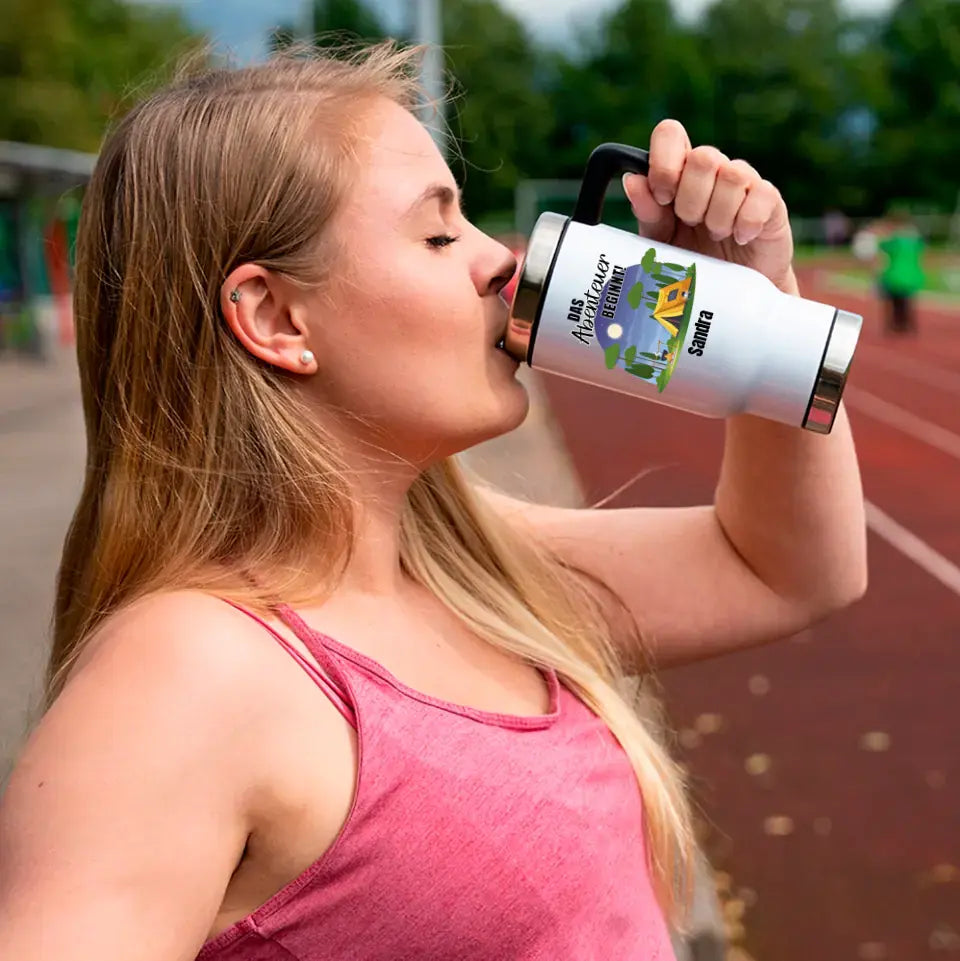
328	684
313	640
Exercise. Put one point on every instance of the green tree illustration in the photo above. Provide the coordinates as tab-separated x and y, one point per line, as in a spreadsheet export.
641	370
649	260
629	355
635	295
611	355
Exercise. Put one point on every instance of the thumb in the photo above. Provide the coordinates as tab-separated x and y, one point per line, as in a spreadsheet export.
655	221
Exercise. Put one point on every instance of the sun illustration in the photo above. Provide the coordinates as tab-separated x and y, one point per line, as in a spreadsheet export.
614	331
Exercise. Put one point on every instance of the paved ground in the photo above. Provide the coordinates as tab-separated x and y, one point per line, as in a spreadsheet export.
41	452
829	764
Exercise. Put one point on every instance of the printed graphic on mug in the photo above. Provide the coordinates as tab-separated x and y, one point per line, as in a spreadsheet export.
652	304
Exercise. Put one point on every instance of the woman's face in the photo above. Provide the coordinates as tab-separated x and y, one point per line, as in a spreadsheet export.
405	334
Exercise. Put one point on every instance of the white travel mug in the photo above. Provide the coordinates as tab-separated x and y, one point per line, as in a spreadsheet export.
610	308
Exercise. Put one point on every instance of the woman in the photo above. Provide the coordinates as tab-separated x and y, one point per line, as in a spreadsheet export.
286	329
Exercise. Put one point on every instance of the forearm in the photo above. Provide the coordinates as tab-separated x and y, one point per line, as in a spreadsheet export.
791	503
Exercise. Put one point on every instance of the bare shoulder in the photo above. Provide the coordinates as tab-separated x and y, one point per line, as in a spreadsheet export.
150	751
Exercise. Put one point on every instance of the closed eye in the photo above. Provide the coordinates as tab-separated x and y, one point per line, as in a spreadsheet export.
442	240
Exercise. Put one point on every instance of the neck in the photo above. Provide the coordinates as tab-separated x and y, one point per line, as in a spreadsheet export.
379	483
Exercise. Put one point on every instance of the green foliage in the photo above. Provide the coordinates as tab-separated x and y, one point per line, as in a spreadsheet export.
649	260
611	355
641	370
344	17
70	67
837	110
635	296
503	111
629	355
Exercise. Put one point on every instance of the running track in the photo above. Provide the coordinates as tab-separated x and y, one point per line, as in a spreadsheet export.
857	721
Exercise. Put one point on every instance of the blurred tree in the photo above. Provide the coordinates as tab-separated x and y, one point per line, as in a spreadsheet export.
779	84
344	16
837	111
637	66
66	66
502	110
918	134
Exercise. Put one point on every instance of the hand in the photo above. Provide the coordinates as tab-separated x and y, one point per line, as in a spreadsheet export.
699	199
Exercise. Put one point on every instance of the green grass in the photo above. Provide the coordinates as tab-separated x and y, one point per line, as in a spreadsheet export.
941	279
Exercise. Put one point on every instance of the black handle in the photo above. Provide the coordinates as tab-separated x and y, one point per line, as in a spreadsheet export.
608	160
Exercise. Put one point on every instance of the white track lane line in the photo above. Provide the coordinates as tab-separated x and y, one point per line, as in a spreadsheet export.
895	416
918	551
882	524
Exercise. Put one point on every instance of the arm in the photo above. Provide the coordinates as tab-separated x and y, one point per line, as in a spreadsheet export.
126	814
785	541
779	549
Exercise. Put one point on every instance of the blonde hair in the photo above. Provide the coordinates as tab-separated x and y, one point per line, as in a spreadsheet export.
201	466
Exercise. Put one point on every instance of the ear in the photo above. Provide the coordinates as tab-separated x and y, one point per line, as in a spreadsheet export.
260	309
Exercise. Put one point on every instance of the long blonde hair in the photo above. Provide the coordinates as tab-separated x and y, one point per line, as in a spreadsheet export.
201	468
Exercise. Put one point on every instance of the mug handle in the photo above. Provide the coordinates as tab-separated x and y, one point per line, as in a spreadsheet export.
608	160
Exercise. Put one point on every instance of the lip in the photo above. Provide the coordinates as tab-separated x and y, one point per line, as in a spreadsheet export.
500	331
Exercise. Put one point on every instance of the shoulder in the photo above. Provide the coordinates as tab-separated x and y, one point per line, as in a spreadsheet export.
188	636
177	664
159	744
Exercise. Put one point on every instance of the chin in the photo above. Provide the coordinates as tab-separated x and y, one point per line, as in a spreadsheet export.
513	406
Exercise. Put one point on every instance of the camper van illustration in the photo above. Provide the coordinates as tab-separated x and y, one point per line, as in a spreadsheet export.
644	336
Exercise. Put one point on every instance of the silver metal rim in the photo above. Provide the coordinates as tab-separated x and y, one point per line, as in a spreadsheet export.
832	378
541	251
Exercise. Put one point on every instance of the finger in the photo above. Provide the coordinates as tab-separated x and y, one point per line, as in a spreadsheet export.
696	184
734	180
655	222
669	146
762	212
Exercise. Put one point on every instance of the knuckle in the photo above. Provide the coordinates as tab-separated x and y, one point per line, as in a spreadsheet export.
705	158
717	225
738	172
769	190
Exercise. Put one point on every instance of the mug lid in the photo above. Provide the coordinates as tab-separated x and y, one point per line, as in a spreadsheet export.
837	357
534	275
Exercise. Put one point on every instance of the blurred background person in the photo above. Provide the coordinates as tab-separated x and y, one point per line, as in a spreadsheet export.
901	277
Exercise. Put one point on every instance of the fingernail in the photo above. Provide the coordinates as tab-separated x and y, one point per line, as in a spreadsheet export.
625	180
661	196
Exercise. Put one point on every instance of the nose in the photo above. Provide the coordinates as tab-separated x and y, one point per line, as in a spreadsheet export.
505	267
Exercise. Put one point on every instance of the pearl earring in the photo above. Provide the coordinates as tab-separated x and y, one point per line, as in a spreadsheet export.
306	357
235	296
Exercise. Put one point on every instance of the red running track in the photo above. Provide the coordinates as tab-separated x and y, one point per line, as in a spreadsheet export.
869	864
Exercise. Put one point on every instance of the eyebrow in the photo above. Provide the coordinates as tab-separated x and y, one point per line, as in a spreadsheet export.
441	192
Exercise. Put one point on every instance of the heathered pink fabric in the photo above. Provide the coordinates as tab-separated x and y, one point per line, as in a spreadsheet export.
473	836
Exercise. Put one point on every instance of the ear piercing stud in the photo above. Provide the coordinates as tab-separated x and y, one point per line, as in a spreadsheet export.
306	357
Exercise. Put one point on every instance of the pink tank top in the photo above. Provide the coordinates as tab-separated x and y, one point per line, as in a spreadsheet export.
473	836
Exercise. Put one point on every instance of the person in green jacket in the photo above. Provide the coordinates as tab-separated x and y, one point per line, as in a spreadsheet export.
902	276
